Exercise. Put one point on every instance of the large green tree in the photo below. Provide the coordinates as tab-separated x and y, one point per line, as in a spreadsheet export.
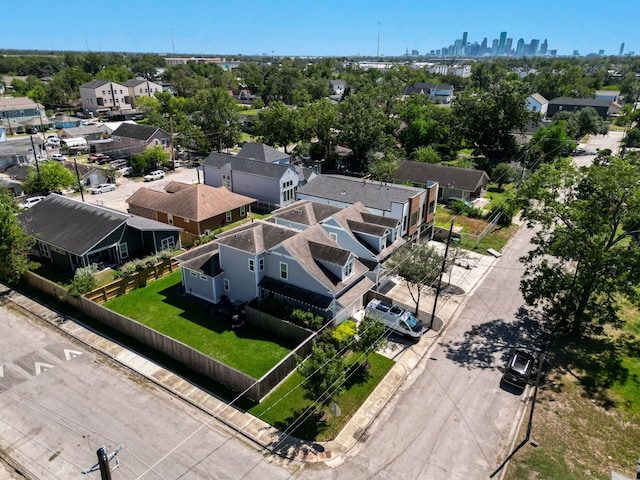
585	252
489	119
278	125
324	373
214	111
50	176
16	244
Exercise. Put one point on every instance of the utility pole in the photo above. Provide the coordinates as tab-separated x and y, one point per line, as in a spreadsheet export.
444	264
103	462
75	163
35	157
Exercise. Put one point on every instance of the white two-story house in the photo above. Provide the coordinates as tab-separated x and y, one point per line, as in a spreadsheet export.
103	96
305	268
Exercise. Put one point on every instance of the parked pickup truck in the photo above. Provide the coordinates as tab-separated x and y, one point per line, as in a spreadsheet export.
395	318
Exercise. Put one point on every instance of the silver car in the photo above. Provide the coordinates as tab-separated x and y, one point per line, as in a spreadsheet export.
103	187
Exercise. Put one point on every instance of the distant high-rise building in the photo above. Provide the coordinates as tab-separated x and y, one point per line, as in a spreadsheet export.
553	52
494	47
543	47
520	48
576	53
415	53
508	46
601	53
534	46
501	44
483	46
464	43
621	49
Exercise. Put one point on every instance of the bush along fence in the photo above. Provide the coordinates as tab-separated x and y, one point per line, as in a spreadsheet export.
130	280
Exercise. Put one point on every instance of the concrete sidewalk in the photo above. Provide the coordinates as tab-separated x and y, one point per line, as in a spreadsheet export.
406	356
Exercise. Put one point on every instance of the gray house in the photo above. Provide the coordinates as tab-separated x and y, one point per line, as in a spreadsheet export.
21	151
305	268
73	234
372	238
454	182
272	184
410	205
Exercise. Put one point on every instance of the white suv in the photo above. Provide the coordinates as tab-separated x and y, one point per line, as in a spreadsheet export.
155	175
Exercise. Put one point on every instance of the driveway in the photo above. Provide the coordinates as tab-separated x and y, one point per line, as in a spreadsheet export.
598	142
127	186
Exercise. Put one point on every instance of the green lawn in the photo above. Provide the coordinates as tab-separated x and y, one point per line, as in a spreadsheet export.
161	306
284	407
587	416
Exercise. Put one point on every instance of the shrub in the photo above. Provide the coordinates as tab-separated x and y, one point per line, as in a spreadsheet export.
344	334
84	280
307	319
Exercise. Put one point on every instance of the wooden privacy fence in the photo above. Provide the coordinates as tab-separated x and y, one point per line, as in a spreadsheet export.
255	389
131	282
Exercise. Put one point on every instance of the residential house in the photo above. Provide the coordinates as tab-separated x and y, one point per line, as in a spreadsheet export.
264	175
140	87
565	104
99	96
72	234
60	121
197	209
441	93
88	132
372	238
337	87
20	114
611	95
453	182
305	268
131	138
413	207
21	151
537	103
90	175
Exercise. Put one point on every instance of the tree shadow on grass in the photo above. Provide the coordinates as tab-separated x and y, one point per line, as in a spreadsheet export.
596	363
482	343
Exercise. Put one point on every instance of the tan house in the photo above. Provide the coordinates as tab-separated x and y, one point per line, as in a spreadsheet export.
140	87
198	209
104	96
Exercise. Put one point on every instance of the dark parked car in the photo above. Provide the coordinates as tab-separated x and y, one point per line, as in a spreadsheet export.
518	369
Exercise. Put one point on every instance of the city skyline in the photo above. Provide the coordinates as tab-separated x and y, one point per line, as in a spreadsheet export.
328	28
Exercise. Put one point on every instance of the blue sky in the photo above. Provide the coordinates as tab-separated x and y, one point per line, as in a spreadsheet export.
310	27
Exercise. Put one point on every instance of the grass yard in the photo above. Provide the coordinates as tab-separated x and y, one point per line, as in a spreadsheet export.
287	409
587	416
497	239
161	306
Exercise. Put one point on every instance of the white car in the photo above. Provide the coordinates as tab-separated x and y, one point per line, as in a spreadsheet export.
103	187
59	157
395	318
30	202
155	175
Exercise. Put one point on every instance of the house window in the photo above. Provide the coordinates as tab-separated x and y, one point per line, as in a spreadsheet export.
432	206
124	250
242	211
252	265
226	180
227	216
334	236
203	277
261	264
348	269
227	285
414	218
284	271
44	250
168	243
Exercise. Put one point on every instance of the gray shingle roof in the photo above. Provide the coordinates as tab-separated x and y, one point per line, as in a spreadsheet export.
418	172
350	190
246	165
260	151
135	131
582	102
94	84
306	212
76	226
255	237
